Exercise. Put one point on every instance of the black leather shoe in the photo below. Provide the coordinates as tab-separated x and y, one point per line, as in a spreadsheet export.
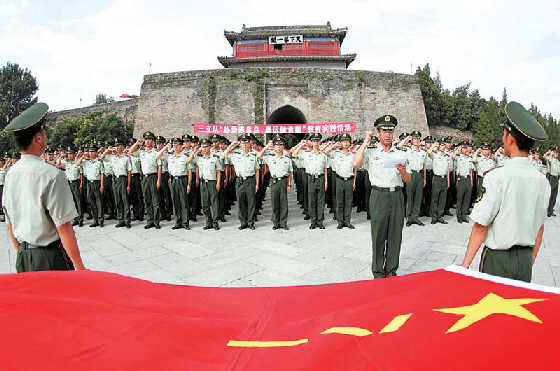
285	227
128	225
243	226
466	220
216	226
94	224
81	223
187	227
275	227
459	220
101	224
252	227
222	219
408	223
419	223
312	226
350	226
149	225
307	217
442	221
157	226
207	227
340	226
434	221
176	227
448	213
321	226
75	222
119	225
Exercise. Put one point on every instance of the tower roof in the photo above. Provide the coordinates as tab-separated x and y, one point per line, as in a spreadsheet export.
228	62
263	32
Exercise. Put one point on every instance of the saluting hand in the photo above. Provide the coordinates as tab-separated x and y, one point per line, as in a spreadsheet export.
401	169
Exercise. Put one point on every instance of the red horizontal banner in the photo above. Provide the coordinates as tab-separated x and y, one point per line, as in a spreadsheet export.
438	320
324	128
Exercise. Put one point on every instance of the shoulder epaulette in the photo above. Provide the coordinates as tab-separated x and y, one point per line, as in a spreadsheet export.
489	170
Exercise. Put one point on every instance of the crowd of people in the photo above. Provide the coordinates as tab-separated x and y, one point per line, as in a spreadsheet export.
184	178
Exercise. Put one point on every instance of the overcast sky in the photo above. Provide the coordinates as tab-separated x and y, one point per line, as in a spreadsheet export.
77	49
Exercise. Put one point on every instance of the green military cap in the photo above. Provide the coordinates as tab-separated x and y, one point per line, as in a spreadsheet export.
93	148
31	116
177	141
277	140
244	138
70	150
186	138
403	135
416	134
485	145
387	122
523	121
448	139
306	136
195	139
131	141
316	137
148	135
118	142
359	141
214	138
205	142
344	136
16	155
224	140
160	139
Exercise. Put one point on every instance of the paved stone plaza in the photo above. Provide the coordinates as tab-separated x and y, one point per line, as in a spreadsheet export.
300	256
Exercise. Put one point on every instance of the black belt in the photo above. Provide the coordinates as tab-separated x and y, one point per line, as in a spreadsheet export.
514	247
147	175
274	180
245	178
384	189
415	171
312	176
440	176
345	179
178	177
135	174
70	181
93	181
206	181
24	245
462	176
121	176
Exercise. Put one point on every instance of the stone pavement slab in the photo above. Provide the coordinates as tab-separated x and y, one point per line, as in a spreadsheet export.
300	256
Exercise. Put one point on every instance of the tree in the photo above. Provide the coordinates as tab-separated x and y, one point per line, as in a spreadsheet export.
102	98
487	129
462	114
17	92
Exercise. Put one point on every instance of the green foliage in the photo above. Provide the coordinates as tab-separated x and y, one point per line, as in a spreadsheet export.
360	80
7	143
487	128
262	74
232	75
103	98
17	92
249	76
92	128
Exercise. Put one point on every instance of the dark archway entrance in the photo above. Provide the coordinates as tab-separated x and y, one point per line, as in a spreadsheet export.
288	115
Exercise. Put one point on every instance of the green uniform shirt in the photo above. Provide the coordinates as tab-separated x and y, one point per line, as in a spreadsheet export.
463	165
245	164
415	159
553	166
380	176
2	176
148	161
92	169
178	165
501	159
440	163
342	164
513	205
135	162
121	165
107	165
163	162
279	166
208	166
314	162
483	164
73	171
36	200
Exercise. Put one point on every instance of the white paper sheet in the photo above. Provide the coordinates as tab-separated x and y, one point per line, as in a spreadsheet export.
393	162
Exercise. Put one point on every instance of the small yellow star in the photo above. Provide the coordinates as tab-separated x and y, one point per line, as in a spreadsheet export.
490	304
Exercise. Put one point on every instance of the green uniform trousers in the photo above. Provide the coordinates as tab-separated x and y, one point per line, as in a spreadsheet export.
414	192
553	180
439	196
95	200
305	189
164	197
246	198
515	263
464	190
298	180
387	219
316	197
136	198
108	195
344	196
151	201
77	197
180	199
427	194
279	199
121	198
50	258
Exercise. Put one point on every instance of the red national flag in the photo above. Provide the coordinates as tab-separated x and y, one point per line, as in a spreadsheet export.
440	320
124	96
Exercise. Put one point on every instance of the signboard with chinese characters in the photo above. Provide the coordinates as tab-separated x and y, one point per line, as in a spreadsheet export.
326	127
292	39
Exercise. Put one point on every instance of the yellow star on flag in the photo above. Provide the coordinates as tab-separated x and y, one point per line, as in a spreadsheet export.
488	305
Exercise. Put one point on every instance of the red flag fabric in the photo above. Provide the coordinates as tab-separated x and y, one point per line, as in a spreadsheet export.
445	319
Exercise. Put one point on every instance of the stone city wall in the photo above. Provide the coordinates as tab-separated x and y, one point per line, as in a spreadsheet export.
125	109
444	131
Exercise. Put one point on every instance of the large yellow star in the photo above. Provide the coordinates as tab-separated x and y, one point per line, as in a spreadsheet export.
488	305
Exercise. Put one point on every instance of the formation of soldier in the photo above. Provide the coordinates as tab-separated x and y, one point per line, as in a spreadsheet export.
154	178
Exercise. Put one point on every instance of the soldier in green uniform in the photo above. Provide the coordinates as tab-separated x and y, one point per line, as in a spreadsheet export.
345	178
387	171
415	166
108	194
122	172
180	173
440	182
281	171
511	235
136	198
3	165
247	168
315	163
209	169
464	174
152	177
483	161
75	181
553	165
93	171
37	201
164	193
